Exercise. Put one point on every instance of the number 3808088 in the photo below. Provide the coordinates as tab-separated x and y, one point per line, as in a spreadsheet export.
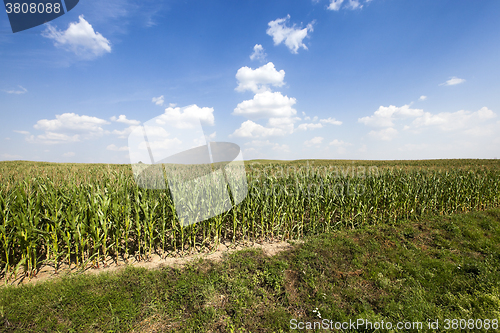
25	8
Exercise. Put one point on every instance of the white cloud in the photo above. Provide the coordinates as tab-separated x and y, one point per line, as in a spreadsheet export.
115	148
249	129
123	134
51	138
258	53
68	127
314	141
284	123
69	154
158	145
386	134
339	143
422	98
259	80
211	137
385	116
453	81
292	37
450	121
266	105
72	122
17	92
187	117
308	126
466	122
284	148
354	4
159	100
335	4
123	119
80	38
331	120
363	149
486	130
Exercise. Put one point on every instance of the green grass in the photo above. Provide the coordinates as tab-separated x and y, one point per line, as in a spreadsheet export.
436	268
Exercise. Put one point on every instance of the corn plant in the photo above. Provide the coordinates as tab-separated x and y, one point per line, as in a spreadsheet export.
75	214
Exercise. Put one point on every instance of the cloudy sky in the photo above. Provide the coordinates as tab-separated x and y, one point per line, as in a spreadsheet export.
332	79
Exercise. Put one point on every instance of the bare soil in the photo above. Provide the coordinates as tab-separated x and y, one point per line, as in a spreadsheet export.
155	261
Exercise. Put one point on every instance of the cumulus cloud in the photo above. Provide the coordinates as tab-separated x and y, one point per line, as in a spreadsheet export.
308	126
80	38
335	4
331	120
258	53
53	138
123	119
453	81
422	98
123	134
17	92
284	123
249	129
341	145
275	127
450	121
351	4
292	37
72	122
259	79
69	154
67	127
159	145
187	117
210	137
386	134
113	147
159	100
465	122
385	115
314	141
354	4
266	105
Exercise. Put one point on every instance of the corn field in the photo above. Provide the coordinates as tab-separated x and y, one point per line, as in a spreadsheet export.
81	214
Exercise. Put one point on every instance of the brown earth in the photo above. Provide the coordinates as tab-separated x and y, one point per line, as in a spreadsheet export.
48	272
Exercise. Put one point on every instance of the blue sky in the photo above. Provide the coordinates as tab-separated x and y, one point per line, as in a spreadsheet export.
379	79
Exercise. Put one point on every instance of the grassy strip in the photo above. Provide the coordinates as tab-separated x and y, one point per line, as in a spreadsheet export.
437	268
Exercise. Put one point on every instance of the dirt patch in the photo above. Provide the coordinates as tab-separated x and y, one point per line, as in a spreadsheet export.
155	261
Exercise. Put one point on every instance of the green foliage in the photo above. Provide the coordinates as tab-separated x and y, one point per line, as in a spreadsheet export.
373	273
81	214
